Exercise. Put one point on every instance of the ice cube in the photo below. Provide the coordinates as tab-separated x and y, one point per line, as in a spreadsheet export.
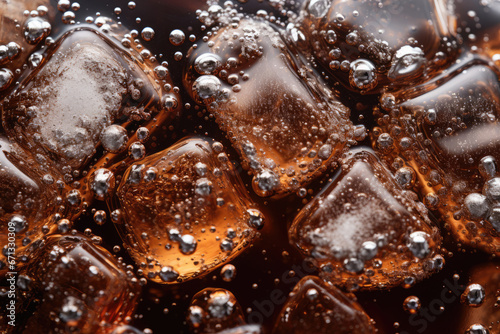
447	129
213	310
185	211
76	284
404	41
27	200
354	226
286	125
93	83
316	306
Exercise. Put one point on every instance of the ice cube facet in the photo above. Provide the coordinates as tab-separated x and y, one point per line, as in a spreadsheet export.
286	125
402	40
27	200
447	130
364	231
185	211
79	285
316	306
87	83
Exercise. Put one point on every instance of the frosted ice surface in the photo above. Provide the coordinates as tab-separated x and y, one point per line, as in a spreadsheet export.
84	95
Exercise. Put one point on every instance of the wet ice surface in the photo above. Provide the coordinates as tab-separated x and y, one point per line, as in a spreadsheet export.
448	128
255	85
78	284
86	85
317	306
353	226
27	193
185	211
403	40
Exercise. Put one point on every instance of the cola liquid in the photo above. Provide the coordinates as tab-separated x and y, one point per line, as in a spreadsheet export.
254	296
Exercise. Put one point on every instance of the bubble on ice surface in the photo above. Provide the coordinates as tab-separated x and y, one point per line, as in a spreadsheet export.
419	244
71	311
36	29
316	306
358	215
6	78
102	182
406	62
318	8
363	74
206	87
207	63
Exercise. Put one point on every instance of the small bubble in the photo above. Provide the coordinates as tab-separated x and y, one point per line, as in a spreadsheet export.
102	182
255	219
100	217
187	244
228	272
114	138
473	295
147	34
137	151
363	74
168	274
207	63
419	244
63	5
177	37
411	304
6	78
142	134
477	329
36	29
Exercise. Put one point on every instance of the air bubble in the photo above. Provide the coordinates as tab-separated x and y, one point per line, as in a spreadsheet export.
419	244
411	304
102	182
36	29
363	74
114	138
207	63
228	273
206	87
147	34
177	37
473	295
6	78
